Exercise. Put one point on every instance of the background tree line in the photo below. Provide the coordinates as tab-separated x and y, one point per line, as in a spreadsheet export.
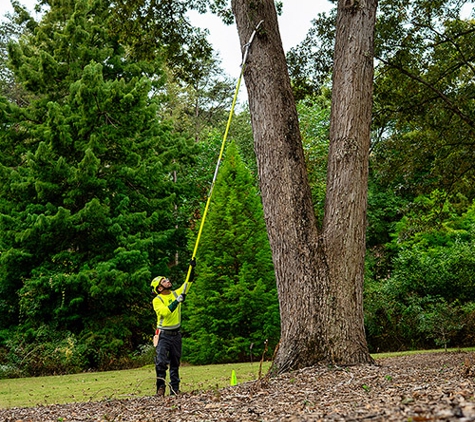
420	226
108	147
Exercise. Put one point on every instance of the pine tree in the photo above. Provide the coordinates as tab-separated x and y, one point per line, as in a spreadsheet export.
88	208
232	308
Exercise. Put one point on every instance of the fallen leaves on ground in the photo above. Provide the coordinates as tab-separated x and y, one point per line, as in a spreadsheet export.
420	387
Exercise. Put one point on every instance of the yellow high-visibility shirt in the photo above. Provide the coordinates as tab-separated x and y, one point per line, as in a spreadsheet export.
167	319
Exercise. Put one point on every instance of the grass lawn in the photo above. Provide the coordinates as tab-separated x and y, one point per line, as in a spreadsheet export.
93	386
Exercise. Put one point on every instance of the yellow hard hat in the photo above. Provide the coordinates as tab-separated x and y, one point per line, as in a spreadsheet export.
156	282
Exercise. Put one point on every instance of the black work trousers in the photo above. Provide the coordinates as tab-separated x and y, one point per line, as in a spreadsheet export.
168	353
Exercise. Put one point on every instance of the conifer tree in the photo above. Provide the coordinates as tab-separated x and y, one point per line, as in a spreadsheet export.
88	204
232	308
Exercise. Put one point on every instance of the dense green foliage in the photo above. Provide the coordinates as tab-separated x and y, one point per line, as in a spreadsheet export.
88	203
232	312
426	137
424	116
420	292
429	296
314	120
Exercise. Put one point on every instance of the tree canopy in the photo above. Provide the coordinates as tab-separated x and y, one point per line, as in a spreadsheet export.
232	311
89	207
423	114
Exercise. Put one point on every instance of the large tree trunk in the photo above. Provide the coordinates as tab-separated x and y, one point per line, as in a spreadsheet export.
319	286
344	224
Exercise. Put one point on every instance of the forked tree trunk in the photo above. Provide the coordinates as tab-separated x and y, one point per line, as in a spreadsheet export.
319	275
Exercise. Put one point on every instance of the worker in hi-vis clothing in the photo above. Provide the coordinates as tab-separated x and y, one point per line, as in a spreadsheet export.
167	305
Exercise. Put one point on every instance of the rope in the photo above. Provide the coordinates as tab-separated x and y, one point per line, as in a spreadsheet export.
236	91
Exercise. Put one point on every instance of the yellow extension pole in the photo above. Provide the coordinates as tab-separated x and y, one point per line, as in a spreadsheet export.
236	91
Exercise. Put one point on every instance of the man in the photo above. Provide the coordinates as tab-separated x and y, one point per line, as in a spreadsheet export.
167	305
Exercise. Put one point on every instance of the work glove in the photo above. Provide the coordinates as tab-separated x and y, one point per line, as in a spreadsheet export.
193	263
176	302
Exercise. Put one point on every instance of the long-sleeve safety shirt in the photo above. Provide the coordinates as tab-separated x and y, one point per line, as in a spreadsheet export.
168	309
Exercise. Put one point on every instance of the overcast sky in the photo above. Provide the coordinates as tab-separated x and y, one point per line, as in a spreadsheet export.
294	23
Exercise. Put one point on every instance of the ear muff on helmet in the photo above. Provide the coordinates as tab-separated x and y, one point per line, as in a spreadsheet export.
155	283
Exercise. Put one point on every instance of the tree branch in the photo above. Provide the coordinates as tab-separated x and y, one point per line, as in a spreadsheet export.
439	93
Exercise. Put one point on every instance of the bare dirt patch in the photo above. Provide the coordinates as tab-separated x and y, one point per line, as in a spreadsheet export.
421	387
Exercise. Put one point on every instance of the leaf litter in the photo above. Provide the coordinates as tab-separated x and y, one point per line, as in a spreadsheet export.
413	388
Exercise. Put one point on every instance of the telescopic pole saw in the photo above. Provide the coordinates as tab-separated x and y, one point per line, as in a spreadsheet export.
236	91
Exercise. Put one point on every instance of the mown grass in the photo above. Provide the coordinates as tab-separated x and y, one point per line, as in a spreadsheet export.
94	386
417	352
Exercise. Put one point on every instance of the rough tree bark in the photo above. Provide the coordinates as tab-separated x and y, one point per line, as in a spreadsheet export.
319	273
